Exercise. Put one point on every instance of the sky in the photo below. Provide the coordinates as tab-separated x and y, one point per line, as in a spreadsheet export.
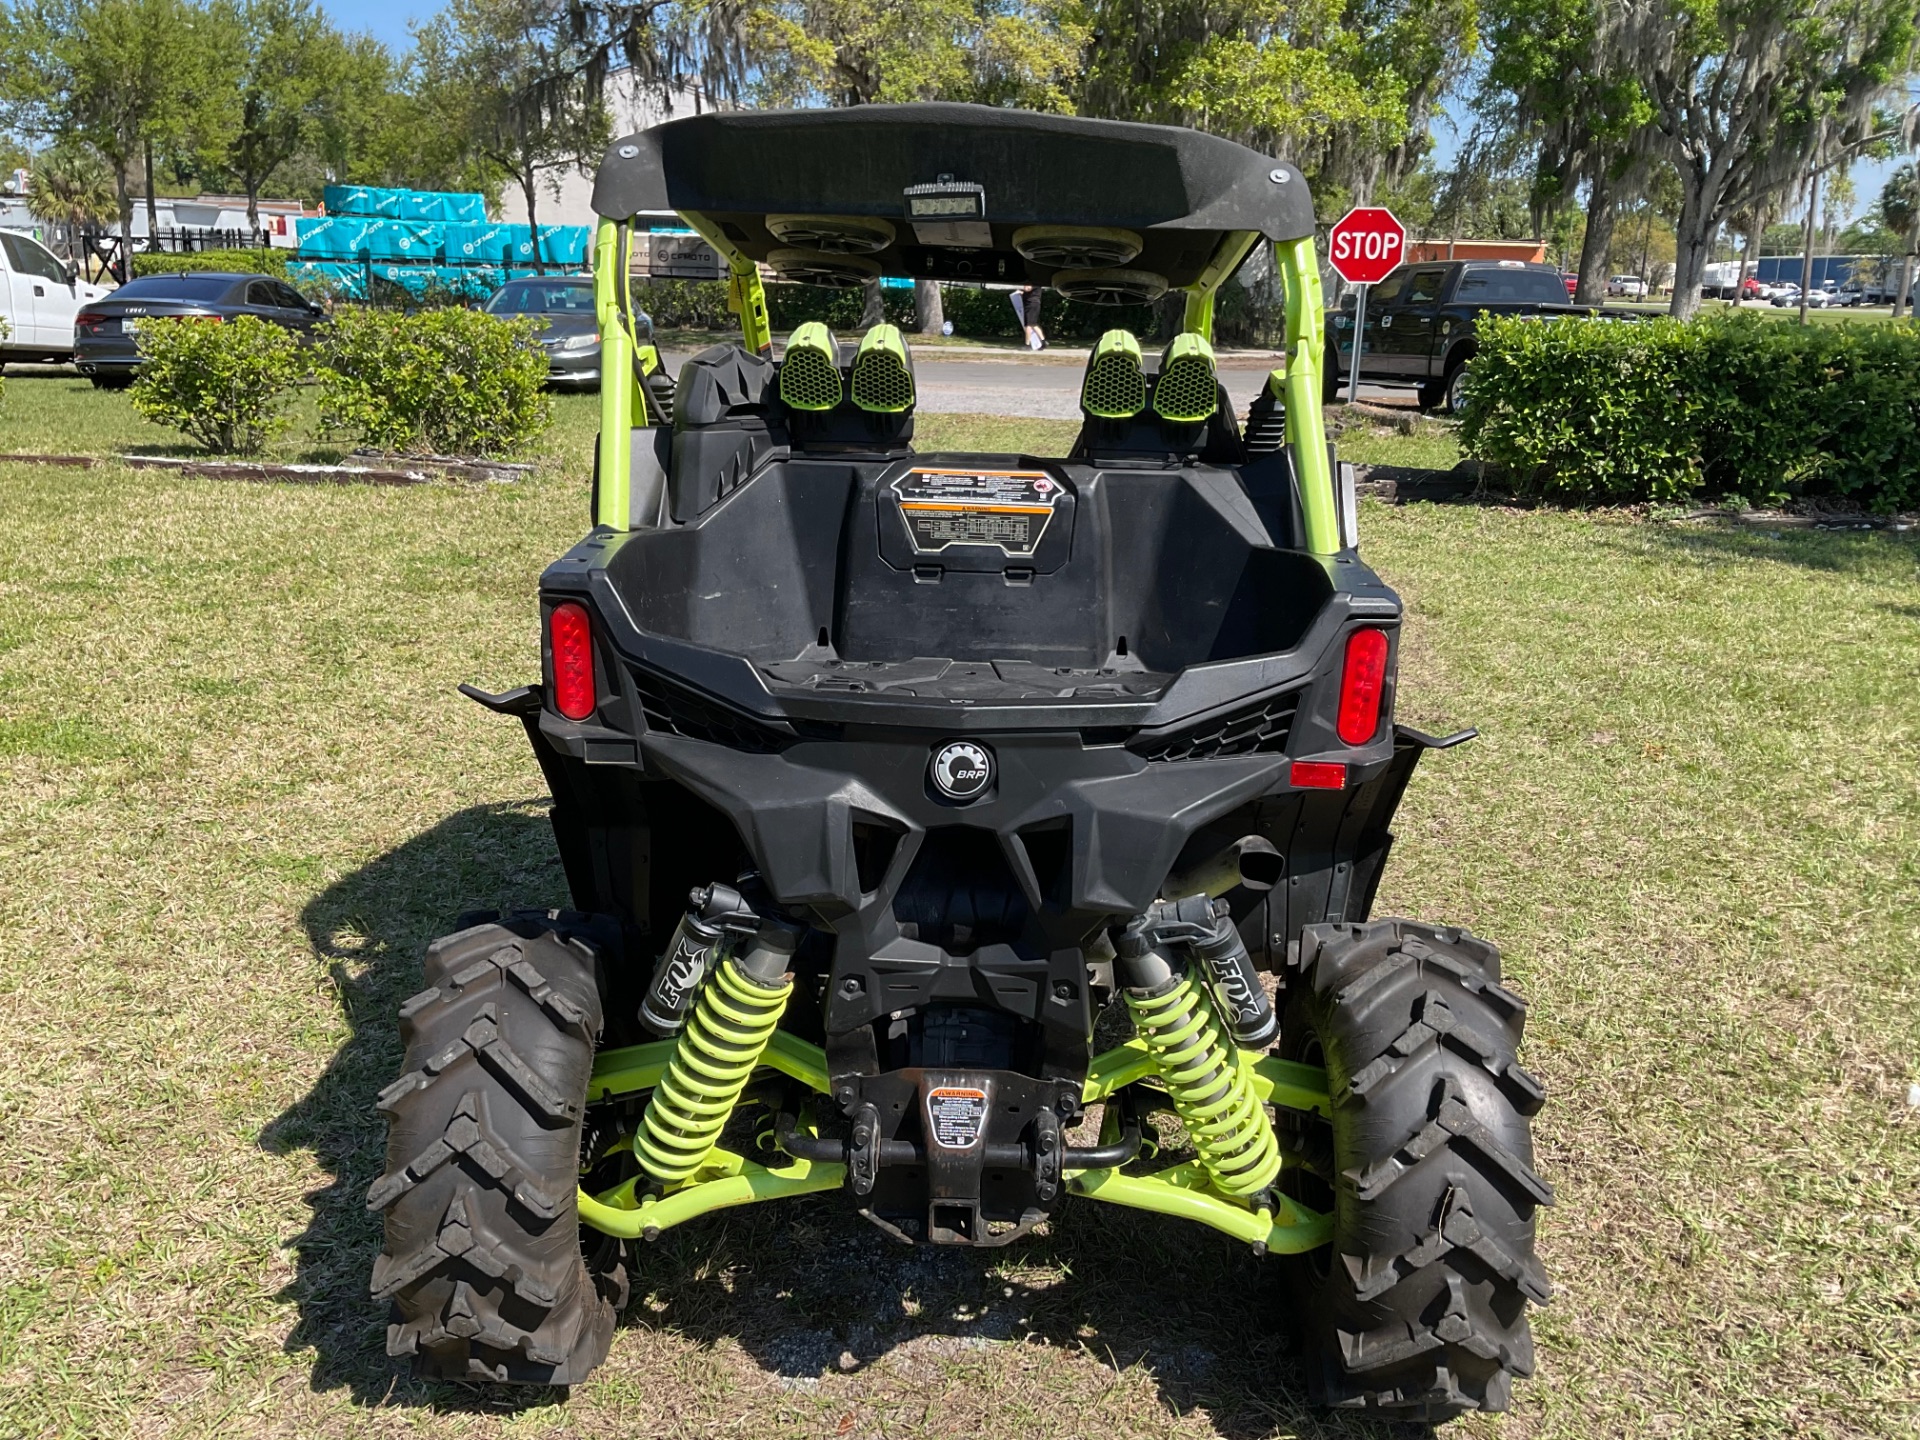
384	21
387	20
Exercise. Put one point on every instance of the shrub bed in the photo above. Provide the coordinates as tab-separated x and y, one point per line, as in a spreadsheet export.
241	262
224	385
448	382
1724	406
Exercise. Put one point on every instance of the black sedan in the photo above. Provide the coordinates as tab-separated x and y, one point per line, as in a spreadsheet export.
570	332
106	333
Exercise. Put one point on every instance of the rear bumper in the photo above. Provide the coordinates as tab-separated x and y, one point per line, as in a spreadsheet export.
106	355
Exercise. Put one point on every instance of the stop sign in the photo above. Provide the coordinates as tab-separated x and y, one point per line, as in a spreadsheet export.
1366	244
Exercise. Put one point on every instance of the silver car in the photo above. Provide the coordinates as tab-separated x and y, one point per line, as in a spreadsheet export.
571	335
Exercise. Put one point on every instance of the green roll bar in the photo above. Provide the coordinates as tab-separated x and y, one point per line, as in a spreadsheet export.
622	395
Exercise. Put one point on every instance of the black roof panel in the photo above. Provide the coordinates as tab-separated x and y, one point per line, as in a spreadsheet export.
736	167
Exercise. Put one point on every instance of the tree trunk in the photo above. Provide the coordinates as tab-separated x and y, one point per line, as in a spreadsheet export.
1592	288
153	204
927	307
253	204
875	312
123	197
1906	270
529	186
1693	245
1748	256
1806	244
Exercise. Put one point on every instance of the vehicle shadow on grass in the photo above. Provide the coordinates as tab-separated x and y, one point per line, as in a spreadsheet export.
803	1287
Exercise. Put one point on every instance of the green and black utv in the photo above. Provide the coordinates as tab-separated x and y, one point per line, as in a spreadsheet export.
884	781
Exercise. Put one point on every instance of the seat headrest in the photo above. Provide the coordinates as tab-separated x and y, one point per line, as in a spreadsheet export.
1115	384
883	372
810	372
1188	389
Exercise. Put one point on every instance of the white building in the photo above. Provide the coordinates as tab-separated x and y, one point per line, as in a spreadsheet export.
566	196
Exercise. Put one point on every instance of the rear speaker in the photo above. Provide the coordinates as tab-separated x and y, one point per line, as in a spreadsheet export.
832	234
1110	286
1075	247
815	267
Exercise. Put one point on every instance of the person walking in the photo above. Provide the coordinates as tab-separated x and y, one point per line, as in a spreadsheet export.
1030	317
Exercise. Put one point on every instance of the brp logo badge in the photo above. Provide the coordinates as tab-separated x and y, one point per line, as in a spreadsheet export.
962	770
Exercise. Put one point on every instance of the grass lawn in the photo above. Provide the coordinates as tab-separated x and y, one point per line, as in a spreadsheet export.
238	794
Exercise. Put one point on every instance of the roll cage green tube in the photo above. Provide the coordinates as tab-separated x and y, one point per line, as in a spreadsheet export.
1300	276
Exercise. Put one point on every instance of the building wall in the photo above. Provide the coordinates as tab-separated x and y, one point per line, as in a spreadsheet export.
566	196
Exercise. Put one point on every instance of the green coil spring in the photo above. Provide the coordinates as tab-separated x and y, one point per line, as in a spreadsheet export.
732	1021
1210	1089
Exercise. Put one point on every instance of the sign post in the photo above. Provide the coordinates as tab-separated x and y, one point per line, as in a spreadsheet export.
1365	246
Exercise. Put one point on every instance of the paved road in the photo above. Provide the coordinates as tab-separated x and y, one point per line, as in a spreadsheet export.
1047	386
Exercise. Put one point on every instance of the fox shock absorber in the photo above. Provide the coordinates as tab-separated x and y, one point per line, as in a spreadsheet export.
1203	927
735	1013
716	918
1210	1088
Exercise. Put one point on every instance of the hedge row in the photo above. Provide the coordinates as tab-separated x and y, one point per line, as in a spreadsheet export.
240	262
450	382
1728	405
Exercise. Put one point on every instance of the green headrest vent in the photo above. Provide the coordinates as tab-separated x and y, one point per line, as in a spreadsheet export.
1187	390
883	372
1115	387
810	373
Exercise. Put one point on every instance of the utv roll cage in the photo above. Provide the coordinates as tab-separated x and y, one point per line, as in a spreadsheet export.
963	194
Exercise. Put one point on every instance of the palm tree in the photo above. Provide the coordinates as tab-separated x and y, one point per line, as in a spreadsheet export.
72	184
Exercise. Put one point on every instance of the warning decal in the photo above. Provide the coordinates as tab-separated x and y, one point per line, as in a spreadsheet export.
955	1116
1005	508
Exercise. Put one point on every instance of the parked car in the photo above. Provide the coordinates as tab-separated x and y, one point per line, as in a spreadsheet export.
1573	282
571	332
1420	323
106	334
1627	287
1785	294
39	296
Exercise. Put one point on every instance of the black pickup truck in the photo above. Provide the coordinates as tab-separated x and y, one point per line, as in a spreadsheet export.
1420	323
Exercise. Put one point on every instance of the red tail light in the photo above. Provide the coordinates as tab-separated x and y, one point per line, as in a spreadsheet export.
1362	685
571	633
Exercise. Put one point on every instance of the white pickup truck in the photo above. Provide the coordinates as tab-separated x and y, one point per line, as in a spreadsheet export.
39	297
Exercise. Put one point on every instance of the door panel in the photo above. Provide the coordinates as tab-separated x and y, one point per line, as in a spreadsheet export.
43	279
1406	325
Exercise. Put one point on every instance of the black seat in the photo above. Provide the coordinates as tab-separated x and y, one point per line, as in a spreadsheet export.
727	421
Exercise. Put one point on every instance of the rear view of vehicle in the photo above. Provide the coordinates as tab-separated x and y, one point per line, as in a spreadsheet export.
106	340
968	836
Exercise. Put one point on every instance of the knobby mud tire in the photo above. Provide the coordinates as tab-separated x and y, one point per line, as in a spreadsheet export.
483	1262
1418	1309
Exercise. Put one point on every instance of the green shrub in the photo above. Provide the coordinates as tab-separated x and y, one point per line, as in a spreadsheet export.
242	262
224	385
449	382
1727	405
